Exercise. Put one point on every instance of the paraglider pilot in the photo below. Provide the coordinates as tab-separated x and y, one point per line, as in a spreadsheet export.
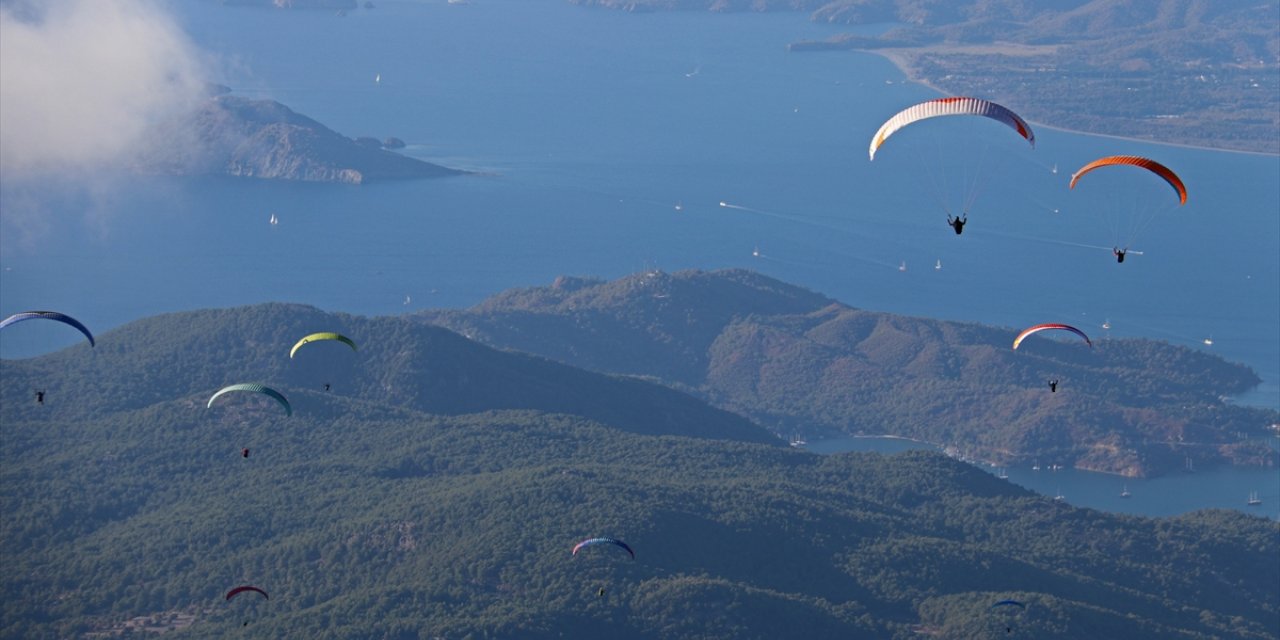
1118	253
326	386
244	452
1053	386
39	397
957	222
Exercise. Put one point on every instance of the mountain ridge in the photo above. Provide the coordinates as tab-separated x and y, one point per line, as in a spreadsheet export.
800	363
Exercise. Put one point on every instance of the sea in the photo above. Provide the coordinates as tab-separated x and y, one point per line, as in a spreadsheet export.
1168	495
604	143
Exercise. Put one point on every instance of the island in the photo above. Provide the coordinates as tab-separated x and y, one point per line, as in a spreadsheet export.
237	136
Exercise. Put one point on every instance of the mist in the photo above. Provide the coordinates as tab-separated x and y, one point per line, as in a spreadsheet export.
82	81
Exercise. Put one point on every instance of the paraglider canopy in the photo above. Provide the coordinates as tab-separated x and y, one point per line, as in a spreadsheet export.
1140	162
239	590
48	315
953	106
323	335
594	541
1049	326
254	388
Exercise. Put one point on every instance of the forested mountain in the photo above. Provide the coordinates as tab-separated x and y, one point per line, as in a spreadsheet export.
369	514
182	359
800	363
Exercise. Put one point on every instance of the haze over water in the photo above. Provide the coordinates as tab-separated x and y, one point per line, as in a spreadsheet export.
589	127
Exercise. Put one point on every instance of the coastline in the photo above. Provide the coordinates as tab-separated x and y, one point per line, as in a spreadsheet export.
899	60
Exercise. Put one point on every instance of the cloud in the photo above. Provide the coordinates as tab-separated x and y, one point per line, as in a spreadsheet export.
82	82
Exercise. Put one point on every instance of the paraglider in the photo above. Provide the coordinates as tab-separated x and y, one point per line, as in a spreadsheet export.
239	590
324	335
254	388
1130	207
1053	386
1008	608
244	453
1045	327
595	541
954	197
953	106
48	315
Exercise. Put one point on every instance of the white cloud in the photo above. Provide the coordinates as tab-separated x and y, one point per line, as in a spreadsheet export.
81	81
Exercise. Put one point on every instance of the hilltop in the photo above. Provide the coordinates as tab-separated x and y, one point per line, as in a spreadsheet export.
800	363
235	136
437	489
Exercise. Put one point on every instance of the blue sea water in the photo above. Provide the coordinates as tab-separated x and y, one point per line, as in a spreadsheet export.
1170	495
588	128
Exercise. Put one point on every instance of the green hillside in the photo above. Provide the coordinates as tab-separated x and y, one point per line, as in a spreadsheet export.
800	363
369	514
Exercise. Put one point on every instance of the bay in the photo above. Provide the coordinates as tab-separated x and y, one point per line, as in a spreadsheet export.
589	127
1169	495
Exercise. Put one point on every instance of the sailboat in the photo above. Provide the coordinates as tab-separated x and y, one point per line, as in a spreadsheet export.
903	266
274	219
679	206
377	78
1003	474
938	266
755	252
1106	324
1124	493
1209	341
1059	497
1254	500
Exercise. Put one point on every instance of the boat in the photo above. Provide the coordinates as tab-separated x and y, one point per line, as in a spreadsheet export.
1209	341
679	207
377	78
938	266
1124	493
407	300
1059	497
1036	466
755	252
1254	500
1003	474
1054	170
903	266
1106	324
274	219
798	442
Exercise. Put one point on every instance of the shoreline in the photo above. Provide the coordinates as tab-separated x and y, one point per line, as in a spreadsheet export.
897	59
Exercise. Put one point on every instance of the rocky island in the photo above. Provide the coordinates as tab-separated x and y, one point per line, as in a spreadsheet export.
235	136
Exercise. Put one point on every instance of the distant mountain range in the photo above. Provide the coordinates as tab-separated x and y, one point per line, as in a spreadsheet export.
438	487
802	364
236	136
